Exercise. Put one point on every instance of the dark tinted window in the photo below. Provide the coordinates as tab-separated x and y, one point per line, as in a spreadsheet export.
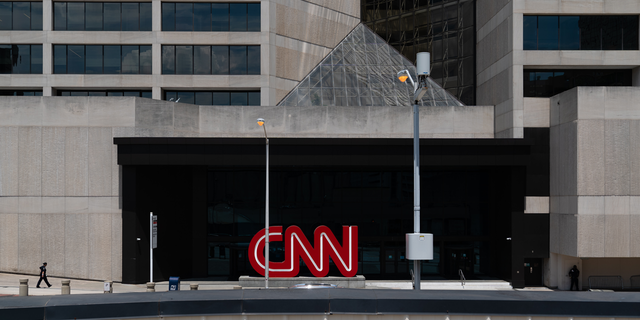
130	17
219	60
547	83
580	33
219	17
184	16
20	59
6	16
237	60
168	59
20	15
99	16
20	93
202	60
238	17
253	59
219	98
98	59
184	59
104	93
36	59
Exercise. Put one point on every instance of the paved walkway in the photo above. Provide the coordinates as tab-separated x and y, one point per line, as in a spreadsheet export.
9	284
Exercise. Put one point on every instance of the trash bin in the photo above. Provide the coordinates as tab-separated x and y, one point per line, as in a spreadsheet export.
174	283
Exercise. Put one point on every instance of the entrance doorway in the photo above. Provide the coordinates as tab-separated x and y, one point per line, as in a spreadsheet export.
533	272
459	258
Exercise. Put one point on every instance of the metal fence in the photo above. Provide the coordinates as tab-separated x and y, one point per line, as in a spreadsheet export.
607	282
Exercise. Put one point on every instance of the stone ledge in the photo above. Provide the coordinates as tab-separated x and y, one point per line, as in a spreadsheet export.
357	282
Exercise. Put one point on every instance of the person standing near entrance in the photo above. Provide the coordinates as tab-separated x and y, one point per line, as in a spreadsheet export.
43	275
574	273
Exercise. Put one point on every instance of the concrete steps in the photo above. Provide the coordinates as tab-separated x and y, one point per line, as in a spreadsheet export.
442	285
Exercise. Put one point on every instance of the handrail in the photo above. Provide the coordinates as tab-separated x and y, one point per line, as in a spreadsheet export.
462	278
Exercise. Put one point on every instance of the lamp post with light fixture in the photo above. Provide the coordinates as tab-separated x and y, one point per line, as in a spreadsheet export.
417	246
261	123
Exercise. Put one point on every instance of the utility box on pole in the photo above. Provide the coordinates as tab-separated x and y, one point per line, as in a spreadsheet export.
419	246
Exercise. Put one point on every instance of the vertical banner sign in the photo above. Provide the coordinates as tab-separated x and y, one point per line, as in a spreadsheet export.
154	233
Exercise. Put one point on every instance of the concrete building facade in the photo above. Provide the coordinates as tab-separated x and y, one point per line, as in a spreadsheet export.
61	176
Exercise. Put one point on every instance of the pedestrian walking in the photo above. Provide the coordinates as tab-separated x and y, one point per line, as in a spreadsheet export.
574	273
43	275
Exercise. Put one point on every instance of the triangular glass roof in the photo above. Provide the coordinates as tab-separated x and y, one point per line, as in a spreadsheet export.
361	71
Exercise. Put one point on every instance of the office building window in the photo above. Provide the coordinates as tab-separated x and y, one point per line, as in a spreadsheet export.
102	16
101	59
21	59
26	93
105	93
547	83
215	98
20	15
224	60
202	16
580	33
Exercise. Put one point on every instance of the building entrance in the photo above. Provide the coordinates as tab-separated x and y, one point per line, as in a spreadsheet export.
459	258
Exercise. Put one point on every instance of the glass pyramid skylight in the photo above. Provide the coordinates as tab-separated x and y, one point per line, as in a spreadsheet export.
361	71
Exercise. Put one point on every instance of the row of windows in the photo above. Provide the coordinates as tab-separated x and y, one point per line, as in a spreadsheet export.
183	16
547	83
104	93
97	59
20	93
20	15
132	16
20	59
99	16
580	33
235	60
215	98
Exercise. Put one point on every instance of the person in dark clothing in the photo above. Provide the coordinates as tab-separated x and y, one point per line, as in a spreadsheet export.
574	273
43	275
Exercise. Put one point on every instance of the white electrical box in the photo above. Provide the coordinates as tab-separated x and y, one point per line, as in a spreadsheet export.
419	246
423	63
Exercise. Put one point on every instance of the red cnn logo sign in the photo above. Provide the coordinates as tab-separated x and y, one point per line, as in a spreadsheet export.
296	246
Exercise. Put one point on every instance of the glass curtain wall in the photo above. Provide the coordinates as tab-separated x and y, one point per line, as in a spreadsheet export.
202	16
444	28
20	15
547	83
102	16
580	33
21	59
98	59
215	98
224	60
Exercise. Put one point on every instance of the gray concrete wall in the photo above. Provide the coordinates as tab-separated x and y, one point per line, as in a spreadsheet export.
60	182
595	172
295	35
501	59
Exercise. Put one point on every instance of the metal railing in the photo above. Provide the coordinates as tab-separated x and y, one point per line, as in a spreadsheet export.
634	281
606	282
462	278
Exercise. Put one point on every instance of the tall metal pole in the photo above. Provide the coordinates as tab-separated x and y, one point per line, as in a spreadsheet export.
151	246
266	223
416	188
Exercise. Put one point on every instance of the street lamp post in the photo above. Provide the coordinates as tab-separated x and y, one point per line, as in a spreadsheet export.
420	88
261	123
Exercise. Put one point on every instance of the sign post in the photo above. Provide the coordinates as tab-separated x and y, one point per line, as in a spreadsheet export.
153	243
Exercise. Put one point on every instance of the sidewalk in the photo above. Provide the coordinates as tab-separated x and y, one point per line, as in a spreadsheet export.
9	284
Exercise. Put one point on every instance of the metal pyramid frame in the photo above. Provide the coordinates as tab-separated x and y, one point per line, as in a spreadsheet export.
361	71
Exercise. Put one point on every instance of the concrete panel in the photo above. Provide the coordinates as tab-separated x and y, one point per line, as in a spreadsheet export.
219	119
76	204
568	234
99	246
591	205
53	205
554	232
9	204
435	120
616	236
537	205
591	102
305	120
616	206
53	148
29	242
30	161
115	169
591	235
620	103
100	205
53	250
76	255
536	112
100	161
616	161
634	236
9	162
116	246
9	242
591	157
30	205
634	205
154	114
634	158
111	111
186	119
76	173
472	119
67	111
20	111
346	120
